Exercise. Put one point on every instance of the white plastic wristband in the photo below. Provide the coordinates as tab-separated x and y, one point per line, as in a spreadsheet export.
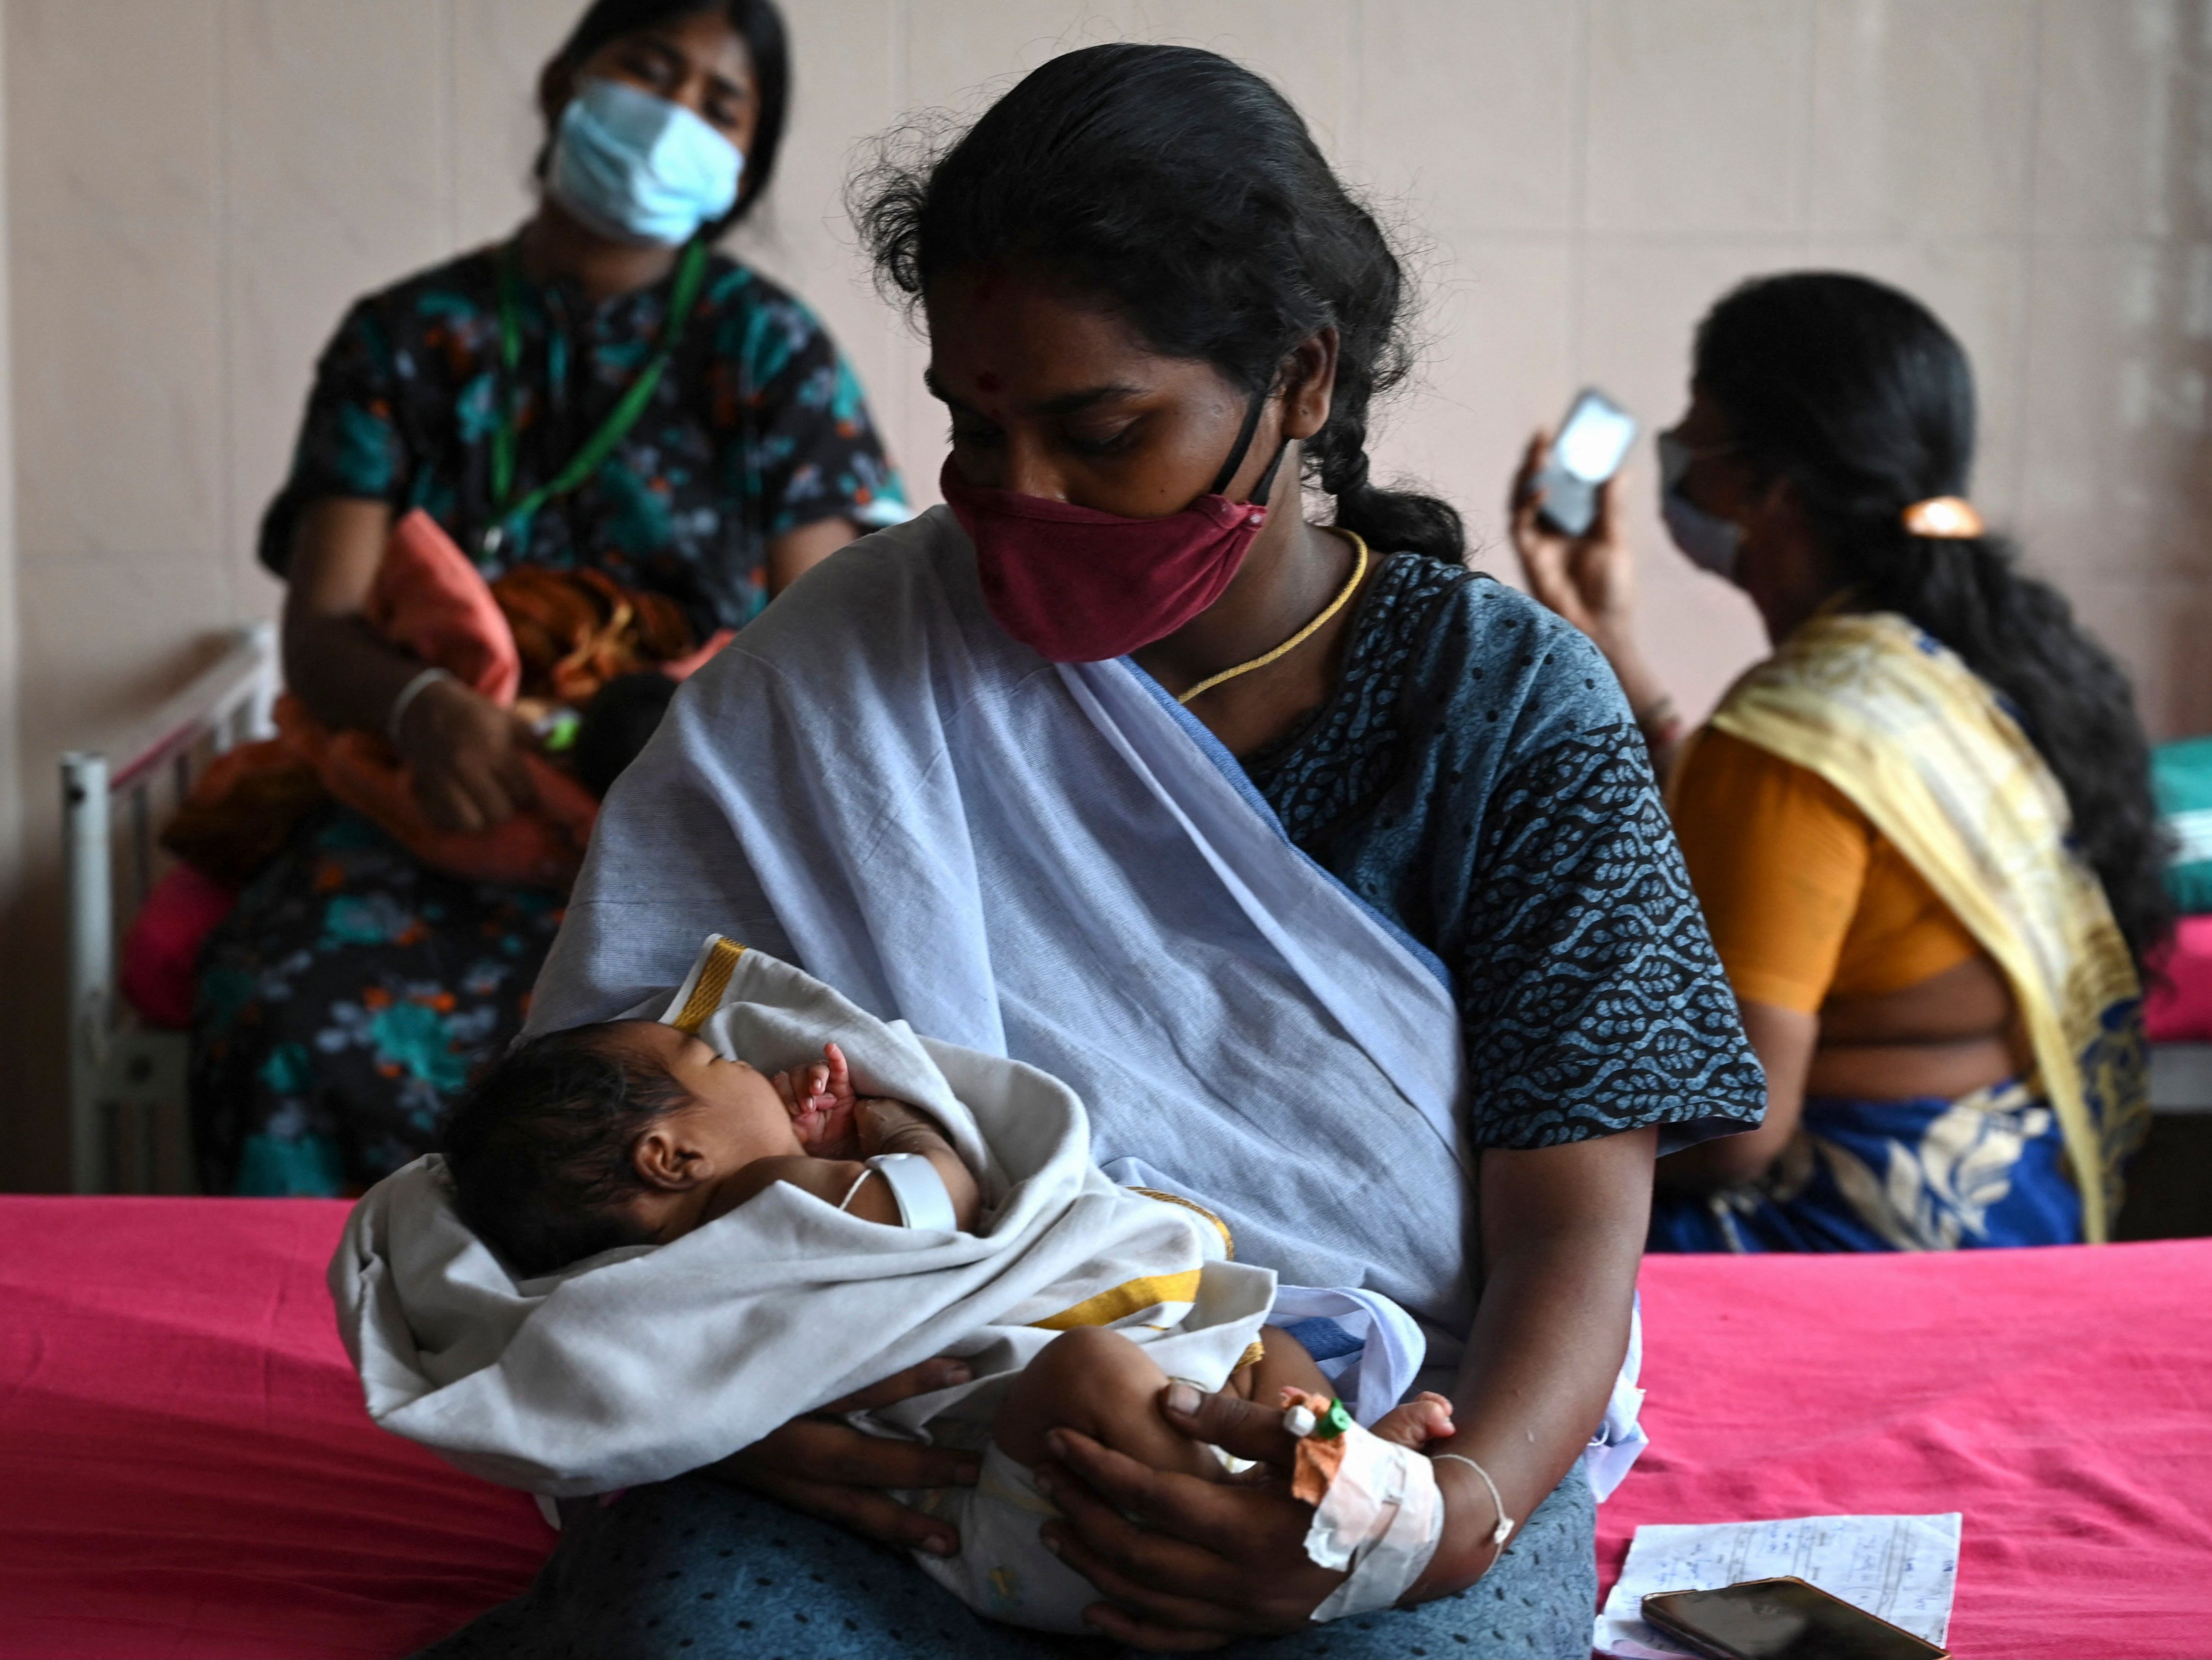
923	1200
408	694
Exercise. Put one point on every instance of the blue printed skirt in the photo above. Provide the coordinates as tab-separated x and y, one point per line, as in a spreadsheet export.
1987	1169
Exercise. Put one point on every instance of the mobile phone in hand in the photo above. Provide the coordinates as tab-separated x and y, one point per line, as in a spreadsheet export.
1592	443
1785	1619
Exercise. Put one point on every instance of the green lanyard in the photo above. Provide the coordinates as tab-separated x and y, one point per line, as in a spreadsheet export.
690	276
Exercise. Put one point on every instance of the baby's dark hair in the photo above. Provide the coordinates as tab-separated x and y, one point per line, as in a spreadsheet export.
539	1148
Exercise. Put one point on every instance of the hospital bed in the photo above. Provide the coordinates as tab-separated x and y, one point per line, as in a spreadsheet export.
126	1080
188	1471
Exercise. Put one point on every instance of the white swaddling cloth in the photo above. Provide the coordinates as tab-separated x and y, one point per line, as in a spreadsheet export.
645	1362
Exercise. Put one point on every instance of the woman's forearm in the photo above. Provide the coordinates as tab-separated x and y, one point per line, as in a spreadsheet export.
333	661
1526	1409
1548	1338
343	672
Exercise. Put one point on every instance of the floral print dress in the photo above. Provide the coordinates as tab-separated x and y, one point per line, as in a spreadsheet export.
347	997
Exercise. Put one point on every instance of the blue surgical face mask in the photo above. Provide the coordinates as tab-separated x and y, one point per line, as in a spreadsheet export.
639	168
1712	544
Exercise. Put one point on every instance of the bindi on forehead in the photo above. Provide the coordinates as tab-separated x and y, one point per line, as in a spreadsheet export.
988	382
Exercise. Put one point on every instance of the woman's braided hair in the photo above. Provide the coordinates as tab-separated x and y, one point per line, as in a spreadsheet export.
1864	402
1185	193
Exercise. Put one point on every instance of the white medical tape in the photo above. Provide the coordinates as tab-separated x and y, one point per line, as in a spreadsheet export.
922	1199
1382	1518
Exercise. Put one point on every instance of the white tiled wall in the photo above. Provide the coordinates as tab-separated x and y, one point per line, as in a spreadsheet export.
195	188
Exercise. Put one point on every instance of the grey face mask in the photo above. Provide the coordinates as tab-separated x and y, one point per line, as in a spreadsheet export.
1711	544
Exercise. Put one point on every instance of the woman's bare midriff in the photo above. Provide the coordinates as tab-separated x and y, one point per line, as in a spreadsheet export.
1949	1035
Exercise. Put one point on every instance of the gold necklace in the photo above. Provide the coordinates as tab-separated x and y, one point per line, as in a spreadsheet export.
1358	571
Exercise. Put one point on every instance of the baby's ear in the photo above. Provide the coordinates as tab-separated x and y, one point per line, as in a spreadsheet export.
663	1162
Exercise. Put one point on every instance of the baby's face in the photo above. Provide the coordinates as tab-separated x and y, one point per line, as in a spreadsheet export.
735	1115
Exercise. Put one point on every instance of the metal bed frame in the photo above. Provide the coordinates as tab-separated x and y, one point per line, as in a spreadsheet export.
128	1131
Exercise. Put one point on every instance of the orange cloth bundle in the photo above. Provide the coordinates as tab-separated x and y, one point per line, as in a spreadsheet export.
535	634
433	604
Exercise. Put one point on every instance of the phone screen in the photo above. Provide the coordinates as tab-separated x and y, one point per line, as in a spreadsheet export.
1592	443
1782	1620
1594	440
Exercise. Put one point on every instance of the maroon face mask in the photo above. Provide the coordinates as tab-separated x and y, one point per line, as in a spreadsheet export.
1080	585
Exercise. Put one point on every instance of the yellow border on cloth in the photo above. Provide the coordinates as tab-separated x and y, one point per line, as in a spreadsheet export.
1130	1297
1228	1239
1920	744
710	980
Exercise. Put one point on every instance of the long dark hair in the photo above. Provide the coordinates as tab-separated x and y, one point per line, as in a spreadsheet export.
1185	193
757	22
1857	395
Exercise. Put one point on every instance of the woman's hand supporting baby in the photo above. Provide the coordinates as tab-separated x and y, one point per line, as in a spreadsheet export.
1187	1564
822	1465
1183	1562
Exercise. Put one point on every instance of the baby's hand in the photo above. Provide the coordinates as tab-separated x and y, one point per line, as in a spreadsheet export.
820	1101
1427	1417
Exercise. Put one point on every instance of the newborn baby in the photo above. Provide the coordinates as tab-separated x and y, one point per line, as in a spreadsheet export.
635	1132
638	1133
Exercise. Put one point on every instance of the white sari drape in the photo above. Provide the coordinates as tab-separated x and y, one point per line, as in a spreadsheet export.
1056	864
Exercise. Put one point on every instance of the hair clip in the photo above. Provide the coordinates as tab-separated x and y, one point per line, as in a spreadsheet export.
1946	518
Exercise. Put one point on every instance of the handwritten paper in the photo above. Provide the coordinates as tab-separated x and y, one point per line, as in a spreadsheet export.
1903	1568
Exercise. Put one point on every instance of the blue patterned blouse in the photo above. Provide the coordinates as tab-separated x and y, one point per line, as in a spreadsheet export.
1477	779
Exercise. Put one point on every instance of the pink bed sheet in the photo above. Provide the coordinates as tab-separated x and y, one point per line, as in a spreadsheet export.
2178	1004
2060	1398
186	1470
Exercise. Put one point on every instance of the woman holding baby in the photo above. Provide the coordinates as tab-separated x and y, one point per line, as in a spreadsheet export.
1332	877
599	408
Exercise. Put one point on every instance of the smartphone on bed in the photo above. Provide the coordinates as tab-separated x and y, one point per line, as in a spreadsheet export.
1592	443
1788	1618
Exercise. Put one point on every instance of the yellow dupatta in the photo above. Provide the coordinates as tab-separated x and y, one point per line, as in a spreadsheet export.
1921	745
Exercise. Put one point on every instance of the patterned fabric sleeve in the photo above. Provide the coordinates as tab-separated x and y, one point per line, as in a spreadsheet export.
350	443
1592	999
1478	780
810	447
